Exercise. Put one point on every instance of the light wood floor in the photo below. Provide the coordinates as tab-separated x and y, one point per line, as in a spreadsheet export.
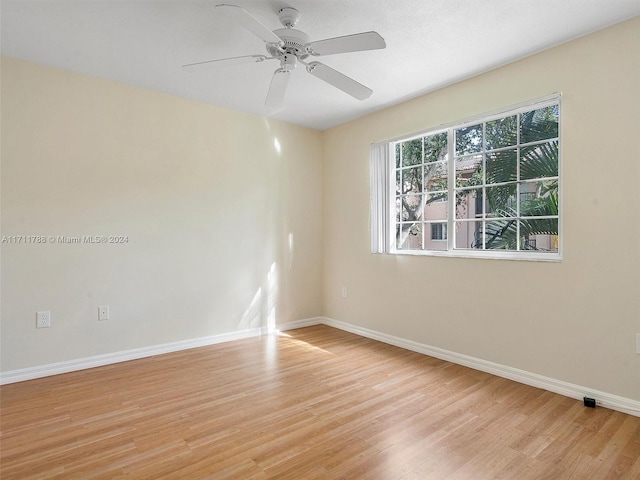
311	403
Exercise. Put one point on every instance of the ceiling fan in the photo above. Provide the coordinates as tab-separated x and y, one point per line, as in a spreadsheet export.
291	47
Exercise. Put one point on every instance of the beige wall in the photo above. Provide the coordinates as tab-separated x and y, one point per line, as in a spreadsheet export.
207	202
209	205
575	320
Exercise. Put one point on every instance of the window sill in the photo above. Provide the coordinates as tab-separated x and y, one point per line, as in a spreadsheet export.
484	254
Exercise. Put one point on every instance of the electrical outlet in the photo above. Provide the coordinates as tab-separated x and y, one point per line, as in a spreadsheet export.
43	319
343	292
103	312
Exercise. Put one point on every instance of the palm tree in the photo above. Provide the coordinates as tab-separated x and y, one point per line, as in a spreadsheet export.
539	165
503	234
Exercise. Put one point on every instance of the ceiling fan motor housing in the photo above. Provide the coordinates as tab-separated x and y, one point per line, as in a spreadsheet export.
294	43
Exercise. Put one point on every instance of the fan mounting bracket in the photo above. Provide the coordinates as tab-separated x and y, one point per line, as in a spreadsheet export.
288	17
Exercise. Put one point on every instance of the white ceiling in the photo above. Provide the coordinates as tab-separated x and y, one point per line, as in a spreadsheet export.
430	43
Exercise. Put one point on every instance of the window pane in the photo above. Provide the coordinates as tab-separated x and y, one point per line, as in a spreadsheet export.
501	235
501	201
539	234
438	197
397	150
539	198
469	171
412	152
539	124
469	203
468	235
411	206
435	147
409	236
540	243
437	236
502	132
539	161
436	245
502	166
436	207
527	201
469	140
435	176
412	180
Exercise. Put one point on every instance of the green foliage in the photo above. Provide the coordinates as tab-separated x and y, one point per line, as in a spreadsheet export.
531	164
502	132
539	161
503	234
539	124
469	140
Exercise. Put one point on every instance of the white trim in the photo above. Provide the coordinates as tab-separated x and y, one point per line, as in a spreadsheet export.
614	402
307	322
485	254
40	371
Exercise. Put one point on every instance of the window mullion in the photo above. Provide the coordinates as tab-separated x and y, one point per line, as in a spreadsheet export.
484	185
451	187
423	197
483	218
518	150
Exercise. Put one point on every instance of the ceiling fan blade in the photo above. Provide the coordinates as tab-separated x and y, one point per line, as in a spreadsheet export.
278	87
246	20
339	80
225	62
349	43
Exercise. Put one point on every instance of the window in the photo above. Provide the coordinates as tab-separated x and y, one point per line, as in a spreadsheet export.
485	187
438	231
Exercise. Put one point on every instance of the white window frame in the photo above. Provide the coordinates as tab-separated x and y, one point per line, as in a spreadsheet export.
531	255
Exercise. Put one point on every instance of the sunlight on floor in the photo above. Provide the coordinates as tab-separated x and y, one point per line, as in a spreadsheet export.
302	343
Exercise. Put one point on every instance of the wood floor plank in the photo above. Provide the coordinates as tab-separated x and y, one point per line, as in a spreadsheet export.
313	403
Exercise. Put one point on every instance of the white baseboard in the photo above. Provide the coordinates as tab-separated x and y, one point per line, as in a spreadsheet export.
614	402
307	322
123	356
40	371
